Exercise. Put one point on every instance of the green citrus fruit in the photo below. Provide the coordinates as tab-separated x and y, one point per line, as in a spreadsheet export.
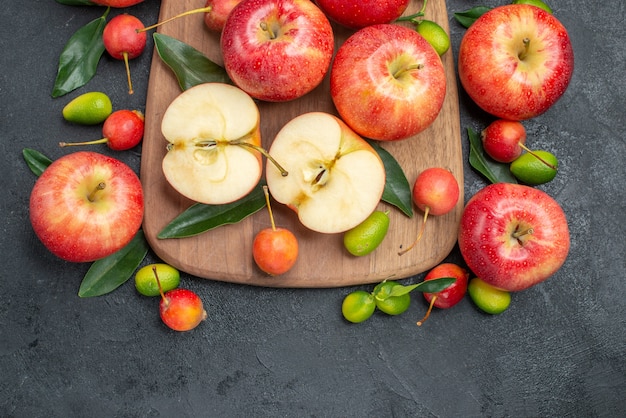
488	298
88	109
358	306
145	280
535	169
391	305
367	236
537	3
435	35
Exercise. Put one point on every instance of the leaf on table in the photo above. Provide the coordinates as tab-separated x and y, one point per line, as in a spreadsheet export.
468	17
80	57
36	161
190	66
397	190
200	217
107	274
494	171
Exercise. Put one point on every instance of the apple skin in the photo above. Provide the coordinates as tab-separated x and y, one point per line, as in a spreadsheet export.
437	189
493	74
220	9
370	99
120	36
70	225
286	66
454	293
359	14
489	220
117	4
502	138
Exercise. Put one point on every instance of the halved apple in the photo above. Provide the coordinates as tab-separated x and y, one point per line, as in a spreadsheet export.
336	179
214	139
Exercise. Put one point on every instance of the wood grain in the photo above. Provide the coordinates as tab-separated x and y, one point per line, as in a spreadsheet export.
225	253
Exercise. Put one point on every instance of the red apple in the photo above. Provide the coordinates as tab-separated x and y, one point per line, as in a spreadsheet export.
220	9
118	4
86	206
277	50
503	139
387	82
358	14
516	61
513	236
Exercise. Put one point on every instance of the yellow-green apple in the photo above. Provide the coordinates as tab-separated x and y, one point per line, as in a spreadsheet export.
213	152
513	236
387	82
358	14
503	139
336	179
86	206
216	17
516	61
277	50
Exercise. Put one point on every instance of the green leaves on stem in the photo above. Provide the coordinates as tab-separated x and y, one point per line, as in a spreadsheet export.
467	17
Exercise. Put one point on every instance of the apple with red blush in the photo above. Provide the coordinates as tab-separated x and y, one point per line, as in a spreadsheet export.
359	14
124	39
451	295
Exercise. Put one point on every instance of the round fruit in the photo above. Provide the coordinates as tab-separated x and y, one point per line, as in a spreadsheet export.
391	305
181	310
435	35
453	294
367	236
275	250
436	189
146	282
88	108
537	3
503	139
535	168
488	298
358	306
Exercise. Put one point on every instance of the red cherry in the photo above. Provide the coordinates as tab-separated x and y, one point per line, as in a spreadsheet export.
451	295
124	40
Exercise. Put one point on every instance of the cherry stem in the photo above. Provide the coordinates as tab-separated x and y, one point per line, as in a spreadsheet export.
522	55
413	18
419	235
156	276
407	69
130	83
71	144
430	309
188	12
92	195
265	27
283	172
536	156
269	207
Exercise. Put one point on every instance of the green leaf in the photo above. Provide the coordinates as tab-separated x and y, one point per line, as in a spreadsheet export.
200	218
190	66
80	57
107	274
397	190
76	2
36	161
494	171
468	17
428	286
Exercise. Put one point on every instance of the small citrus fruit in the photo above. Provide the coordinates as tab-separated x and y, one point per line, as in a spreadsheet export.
435	35
530	169
537	3
145	280
88	108
487	297
367	236
358	306
391	305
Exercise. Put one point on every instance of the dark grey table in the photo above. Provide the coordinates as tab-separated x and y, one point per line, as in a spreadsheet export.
560	350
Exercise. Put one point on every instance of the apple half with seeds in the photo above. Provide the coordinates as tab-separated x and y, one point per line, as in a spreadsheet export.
336	179
214	143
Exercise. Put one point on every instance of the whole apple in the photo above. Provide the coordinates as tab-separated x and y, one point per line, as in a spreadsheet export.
387	82
513	236
515	61
86	206
277	50
359	14
220	9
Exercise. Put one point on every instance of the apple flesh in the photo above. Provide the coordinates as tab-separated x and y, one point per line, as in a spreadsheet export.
513	236
359	14
86	206
336	179
212	131
277	50
515	61
387	82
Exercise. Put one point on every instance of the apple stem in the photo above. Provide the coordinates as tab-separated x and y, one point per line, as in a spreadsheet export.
430	309
156	277
525	148
283	172
269	207
517	234
130	83
92	195
407	69
264	26
522	55
419	235
97	141
188	12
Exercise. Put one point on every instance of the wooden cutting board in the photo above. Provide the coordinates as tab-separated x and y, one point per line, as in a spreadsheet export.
225	253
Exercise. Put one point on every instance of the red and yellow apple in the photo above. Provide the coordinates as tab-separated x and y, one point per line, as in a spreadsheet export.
358	14
516	61
277	50
215	19
214	139
513	236
387	82
336	179
86	206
